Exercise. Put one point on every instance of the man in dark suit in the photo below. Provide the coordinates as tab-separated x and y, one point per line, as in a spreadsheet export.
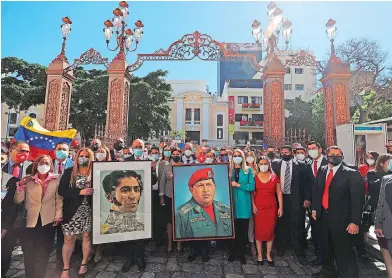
337	204
295	183
317	161
117	153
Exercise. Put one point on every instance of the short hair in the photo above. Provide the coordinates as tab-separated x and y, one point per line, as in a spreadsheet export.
287	147
140	141
154	148
17	143
333	148
300	148
112	180
62	143
315	143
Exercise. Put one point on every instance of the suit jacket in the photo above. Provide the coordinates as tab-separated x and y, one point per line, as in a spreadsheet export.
309	165
154	178
26	168
301	182
346	195
49	207
8	207
68	164
383	217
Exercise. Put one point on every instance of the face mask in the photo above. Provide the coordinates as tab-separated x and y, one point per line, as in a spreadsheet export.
127	155
389	167
277	155
250	159
286	157
201	158
264	168
224	158
118	146
43	169
155	157
188	153
370	161
94	147
237	160
271	155
209	160
300	157
138	152
60	154
100	156
313	153
217	153
176	158
21	157
83	161
335	160
167	153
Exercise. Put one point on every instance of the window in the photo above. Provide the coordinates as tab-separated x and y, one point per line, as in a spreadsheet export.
287	87
197	115
188	115
258	135
12	131
219	133
257	100
12	118
219	120
299	87
288	70
240	117
242	100
244	117
258	117
299	71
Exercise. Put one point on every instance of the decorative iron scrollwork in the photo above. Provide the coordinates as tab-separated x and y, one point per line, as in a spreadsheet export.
304	58
91	56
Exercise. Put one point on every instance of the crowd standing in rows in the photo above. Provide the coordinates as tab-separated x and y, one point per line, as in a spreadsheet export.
272	191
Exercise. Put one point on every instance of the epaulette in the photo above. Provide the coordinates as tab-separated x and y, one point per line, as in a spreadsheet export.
186	208
220	204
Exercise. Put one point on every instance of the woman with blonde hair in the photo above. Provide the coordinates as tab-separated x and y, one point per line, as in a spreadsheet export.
243	184
75	187
44	207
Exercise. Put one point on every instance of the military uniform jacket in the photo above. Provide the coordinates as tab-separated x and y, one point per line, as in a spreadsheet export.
193	222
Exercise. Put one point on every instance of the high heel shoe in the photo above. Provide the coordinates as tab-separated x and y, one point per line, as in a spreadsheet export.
82	275
64	270
260	262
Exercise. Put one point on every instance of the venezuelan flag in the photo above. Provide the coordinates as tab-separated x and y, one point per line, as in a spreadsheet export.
40	140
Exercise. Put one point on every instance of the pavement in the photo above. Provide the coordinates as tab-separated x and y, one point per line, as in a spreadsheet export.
160	265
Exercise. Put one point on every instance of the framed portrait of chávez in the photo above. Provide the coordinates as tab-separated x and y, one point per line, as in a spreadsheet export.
202	203
121	201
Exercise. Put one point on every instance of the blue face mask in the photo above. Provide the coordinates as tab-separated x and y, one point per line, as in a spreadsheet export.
60	154
138	152
155	157
389	167
167	153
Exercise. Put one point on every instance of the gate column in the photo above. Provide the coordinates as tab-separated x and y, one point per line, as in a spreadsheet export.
118	100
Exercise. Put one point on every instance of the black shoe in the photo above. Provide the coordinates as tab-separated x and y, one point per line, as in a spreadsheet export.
280	253
191	258
127	266
260	262
271	263
317	262
302	260
141	264
231	258
205	258
317	275
242	259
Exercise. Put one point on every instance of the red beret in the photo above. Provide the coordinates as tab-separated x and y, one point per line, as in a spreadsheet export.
74	143
201	175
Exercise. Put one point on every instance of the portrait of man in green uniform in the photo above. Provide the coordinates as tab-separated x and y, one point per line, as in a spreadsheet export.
202	216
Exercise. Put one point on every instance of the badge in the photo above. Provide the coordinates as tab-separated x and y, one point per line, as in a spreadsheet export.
209	174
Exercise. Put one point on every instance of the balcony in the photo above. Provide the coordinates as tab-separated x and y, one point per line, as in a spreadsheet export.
251	124
246	83
251	106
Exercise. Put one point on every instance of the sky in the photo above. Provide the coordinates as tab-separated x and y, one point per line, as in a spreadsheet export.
31	30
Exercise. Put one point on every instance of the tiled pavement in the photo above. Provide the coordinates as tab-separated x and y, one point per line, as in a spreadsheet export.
160	265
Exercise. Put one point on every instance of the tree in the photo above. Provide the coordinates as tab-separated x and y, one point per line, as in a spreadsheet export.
22	84
371	82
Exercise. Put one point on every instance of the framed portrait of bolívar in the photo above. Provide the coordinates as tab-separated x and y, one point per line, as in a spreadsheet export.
121	201
202	202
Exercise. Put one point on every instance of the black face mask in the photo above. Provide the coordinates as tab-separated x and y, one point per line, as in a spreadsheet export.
94	147
286	157
176	158
118	146
335	160
271	155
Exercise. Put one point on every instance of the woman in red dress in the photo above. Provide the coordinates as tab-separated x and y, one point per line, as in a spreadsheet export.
265	208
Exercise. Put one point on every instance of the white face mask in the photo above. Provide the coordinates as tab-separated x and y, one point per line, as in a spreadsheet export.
370	161
250	159
237	160
188	153
264	168
43	169
313	153
100	156
209	160
300	156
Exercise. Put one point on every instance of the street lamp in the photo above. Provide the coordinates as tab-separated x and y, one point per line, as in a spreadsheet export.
65	30
124	37
331	32
277	28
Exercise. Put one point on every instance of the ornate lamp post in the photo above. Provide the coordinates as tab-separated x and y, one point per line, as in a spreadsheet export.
65	30
331	32
124	37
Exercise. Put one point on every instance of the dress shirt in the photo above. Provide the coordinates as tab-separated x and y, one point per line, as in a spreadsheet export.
282	174
11	168
57	165
319	160
334	169
44	184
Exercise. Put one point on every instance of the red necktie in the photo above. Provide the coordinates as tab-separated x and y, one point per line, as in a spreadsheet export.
315	168
60	168
326	189
16	171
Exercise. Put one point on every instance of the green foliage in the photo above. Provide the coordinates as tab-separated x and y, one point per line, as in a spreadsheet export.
177	134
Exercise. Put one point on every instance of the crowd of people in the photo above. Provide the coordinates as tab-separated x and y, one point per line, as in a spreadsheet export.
46	204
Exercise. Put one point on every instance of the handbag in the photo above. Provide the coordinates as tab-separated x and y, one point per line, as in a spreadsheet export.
21	215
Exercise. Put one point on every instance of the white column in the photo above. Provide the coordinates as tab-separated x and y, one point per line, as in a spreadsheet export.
206	119
180	113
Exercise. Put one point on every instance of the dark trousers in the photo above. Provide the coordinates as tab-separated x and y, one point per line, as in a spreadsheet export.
37	248
238	245
200	247
7	246
158	223
359	242
134	250
290	227
59	244
317	238
338	244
